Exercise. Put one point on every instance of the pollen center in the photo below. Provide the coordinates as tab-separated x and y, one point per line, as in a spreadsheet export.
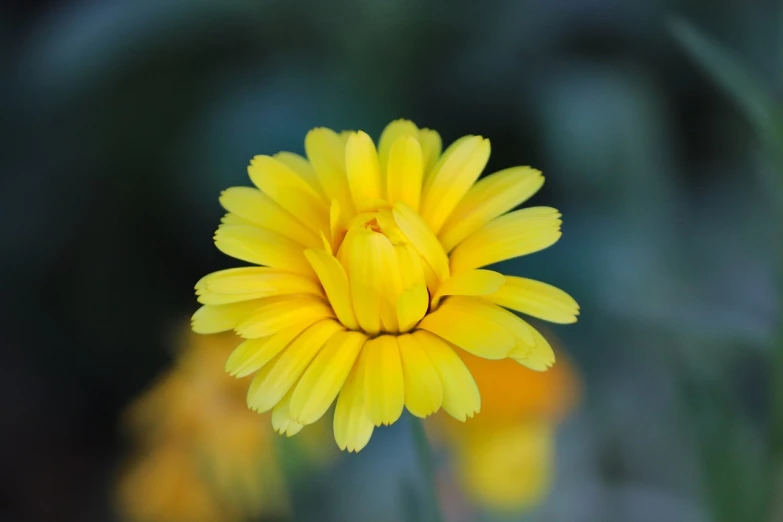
373	225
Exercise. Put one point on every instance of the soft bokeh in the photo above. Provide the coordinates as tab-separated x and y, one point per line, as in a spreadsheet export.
198	453
123	120
504	459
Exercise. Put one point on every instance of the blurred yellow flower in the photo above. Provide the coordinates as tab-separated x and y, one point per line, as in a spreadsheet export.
373	277
201	455
504	458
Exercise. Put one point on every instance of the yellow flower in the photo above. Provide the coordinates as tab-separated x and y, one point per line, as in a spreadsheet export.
372	277
505	457
201	455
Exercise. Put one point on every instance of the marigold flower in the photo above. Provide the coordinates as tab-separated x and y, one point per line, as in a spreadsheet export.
372	277
200	455
504	459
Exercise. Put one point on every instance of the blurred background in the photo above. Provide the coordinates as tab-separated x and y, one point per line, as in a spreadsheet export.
123	120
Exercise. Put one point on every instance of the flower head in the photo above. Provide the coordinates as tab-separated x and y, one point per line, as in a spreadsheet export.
372	279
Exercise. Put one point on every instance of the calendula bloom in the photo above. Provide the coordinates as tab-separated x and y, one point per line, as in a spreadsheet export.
504	458
201	455
372	277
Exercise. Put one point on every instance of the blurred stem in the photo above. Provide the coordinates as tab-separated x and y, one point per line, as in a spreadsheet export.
427	463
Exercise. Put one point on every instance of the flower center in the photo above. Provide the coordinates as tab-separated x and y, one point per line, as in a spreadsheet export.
388	278
373	225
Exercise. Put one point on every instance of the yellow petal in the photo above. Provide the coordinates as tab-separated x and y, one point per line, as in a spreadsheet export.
489	198
518	327
323	379
302	167
326	152
253	354
391	285
515	234
211	319
411	268
282	422
257	279
209	298
335	283
432	280
290	364
411	306
540	357
326	244
352	427
391	134
337	232
537	299
385	219
231	218
430	147
261	247
384	395
472	327
471	282
361	166
461	398
257	208
422	238
280	313
243	284
287	189
404	172
258	381
423	389
452	179
366	285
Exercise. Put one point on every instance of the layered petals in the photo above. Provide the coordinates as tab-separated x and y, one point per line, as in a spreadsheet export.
335	283
372	281
384	395
261	247
489	198
471	282
423	388
280	313
247	283
282	184
539	357
515	234
404	172
253	354
282	422
210	319
326	152
444	189
461	397
286	369
422	238
352	427
323	379
363	171
256	208
473	326
536	299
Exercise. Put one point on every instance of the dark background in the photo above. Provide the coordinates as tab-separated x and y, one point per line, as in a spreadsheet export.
123	120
